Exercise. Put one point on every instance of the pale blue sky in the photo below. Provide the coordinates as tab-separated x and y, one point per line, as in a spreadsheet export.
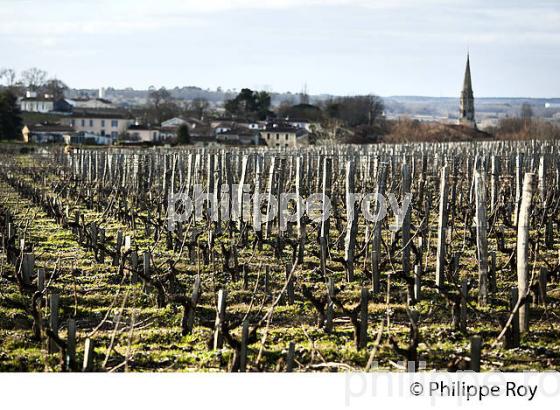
388	47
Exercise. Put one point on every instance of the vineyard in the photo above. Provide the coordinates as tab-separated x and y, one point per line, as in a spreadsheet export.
101	271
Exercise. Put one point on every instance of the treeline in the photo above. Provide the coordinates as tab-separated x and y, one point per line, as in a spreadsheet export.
349	119
526	126
161	106
524	129
32	79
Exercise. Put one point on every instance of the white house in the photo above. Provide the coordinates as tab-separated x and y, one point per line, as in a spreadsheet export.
252	125
42	103
219	127
143	133
101	122
174	122
284	136
37	104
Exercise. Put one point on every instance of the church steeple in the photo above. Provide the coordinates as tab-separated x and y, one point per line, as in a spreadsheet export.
466	115
467	84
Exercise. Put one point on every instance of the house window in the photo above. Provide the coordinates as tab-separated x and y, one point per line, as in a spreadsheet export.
286	137
72	123
277	136
91	123
102	132
114	134
114	123
102	123
83	123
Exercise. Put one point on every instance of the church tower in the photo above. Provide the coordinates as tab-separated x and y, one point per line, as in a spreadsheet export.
466	116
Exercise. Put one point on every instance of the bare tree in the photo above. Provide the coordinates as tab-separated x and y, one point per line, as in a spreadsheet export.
54	87
159	96
199	107
356	110
9	76
526	114
331	132
34	78
303	96
161	104
526	111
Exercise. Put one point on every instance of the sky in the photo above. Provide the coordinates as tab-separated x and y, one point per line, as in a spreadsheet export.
342	47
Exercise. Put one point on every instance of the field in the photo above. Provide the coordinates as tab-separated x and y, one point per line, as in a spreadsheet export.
96	275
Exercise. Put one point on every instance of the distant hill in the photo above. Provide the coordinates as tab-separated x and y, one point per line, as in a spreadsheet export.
488	107
445	107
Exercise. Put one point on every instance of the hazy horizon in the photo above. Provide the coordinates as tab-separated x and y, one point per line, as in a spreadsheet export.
338	47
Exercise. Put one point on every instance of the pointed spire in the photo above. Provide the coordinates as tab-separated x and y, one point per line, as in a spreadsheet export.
466	115
467	84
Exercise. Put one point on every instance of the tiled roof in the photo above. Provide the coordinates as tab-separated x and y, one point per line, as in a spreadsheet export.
37	99
49	128
141	127
100	113
280	128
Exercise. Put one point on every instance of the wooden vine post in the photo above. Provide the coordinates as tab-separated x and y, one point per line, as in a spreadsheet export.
523	227
377	231
220	317
54	300
481	239
442	228
405	223
243	351
476	350
190	316
351	221
28	264
364	299
71	346
89	356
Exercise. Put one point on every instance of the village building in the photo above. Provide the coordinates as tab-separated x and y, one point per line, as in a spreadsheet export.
252	125
239	136
301	124
110	123
176	122
43	104
143	134
284	136
170	127
88	138
92	103
219	127
47	133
